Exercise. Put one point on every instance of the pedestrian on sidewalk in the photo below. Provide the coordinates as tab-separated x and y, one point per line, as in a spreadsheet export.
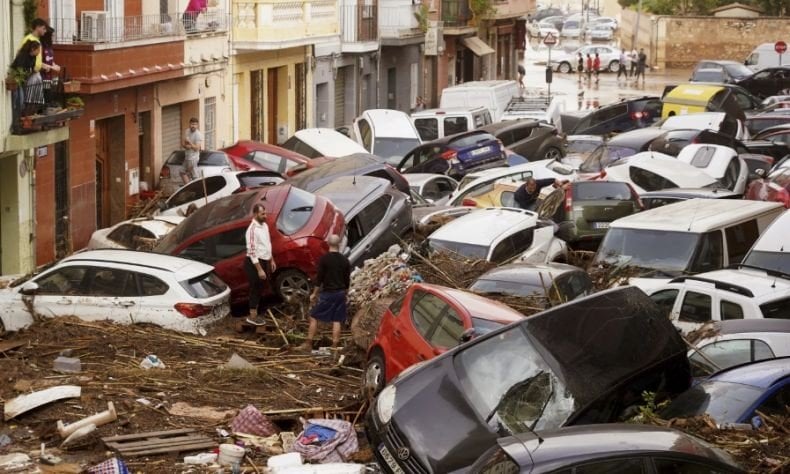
589	67
329	295
641	65
597	67
259	264
580	65
623	68
634	57
193	143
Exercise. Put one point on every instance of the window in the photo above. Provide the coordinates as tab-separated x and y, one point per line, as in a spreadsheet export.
111	282
665	299
508	199
63	281
779	309
709	253
731	174
213	158
374	213
702	157
613	466
648	180
695	308
365	133
725	354
678	466
495	461
152	286
522	133
428	128
730	310
204	286
777	404
397	305
297	145
610	113
296	211
210	123
740	239
449	330
196	190
453	125
425	312
268	160
229	243
354	232
552	205
128	235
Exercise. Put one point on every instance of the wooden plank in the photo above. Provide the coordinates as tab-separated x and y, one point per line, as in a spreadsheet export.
10	345
150	434
24	403
173	449
156	442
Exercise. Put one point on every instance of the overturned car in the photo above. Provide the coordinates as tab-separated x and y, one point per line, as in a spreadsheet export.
583	362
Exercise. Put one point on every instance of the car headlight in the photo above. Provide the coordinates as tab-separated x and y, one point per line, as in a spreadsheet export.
385	404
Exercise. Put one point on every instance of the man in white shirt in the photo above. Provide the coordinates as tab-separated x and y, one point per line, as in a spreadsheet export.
259	264
193	143
634	56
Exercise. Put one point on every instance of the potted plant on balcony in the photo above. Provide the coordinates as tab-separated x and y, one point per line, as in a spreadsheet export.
74	102
481	9
15	78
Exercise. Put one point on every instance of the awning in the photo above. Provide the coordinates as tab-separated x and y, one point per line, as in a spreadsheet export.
478	46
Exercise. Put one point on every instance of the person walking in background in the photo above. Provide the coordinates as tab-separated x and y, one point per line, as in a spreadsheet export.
259	264
193	143
521	73
580	65
623	67
589	67
641	65
194	9
329	296
634	56
597	67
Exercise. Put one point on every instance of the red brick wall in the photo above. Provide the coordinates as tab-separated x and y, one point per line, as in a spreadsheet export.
45	207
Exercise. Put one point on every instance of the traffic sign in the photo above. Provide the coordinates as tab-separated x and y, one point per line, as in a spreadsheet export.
550	39
780	47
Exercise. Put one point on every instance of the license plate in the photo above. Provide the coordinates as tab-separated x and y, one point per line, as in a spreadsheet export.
390	460
600	225
480	151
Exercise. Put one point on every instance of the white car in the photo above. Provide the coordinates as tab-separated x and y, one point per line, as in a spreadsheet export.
721	295
389	134
718	161
653	171
605	21
499	235
122	286
435	188
205	190
542	28
481	182
571	29
599	32
317	142
717	121
210	163
133	233
565	63
772	250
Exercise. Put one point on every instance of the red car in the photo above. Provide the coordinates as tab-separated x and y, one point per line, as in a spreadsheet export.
252	155
774	188
299	223
427	321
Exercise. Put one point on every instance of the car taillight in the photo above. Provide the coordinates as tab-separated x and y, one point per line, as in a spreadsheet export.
568	199
449	155
695	140
192	310
636	197
469	203
165	173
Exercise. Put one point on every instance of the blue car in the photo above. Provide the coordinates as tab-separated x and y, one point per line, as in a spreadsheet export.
735	395
456	155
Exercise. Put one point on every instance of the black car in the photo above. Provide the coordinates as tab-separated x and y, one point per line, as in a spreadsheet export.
599	449
672	141
358	164
619	147
767	82
758	123
579	363
724	72
654	199
619	117
456	155
529	138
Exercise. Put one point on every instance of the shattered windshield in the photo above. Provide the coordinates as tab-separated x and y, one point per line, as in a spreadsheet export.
603	156
511	386
666	252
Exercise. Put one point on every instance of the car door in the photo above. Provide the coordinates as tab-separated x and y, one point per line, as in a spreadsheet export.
152	302
425	311
111	293
762	83
696	308
671	465
62	292
666	300
376	233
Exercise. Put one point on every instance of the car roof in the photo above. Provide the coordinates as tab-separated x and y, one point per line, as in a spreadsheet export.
726	62
760	283
695	215
478	306
185	268
680	173
322	138
510	124
347	192
448	111
528	274
776	238
484	226
397	123
746	326
639	136
418	179
690	193
253	145
760	374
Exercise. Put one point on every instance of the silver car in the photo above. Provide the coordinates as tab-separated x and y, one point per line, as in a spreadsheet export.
610	58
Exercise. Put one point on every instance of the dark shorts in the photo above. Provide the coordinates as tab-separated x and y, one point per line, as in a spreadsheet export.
331	307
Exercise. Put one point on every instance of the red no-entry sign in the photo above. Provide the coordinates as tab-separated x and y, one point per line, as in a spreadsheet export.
550	39
780	47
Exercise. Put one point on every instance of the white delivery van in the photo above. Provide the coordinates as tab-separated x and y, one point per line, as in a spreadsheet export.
493	95
389	134
765	56
433	124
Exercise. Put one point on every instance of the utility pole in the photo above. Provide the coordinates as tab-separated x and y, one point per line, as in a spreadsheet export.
636	29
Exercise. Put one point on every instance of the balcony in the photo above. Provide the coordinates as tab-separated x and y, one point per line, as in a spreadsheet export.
42	106
277	24
456	16
398	23
504	9
359	26
206	47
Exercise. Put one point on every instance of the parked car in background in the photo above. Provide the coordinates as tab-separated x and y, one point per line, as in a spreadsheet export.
651	171
584	210
250	155
456	155
387	133
759	122
726	72
299	223
493	95
205	190
551	283
778	134
623	448
121	286
425	322
774	188
482	182
763	56
767	82
737	394
628	114
210	163
539	29
133	234
529	138
566	62
376	214
599	32
607	21
654	199
436	188
520	378
322	142
500	235
571	29
721	162
433	124
359	164
772	249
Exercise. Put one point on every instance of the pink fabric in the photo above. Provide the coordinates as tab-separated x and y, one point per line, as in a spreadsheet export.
196	6
337	449
251	421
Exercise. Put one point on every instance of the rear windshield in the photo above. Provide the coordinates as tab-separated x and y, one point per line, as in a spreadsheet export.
777	261
724	401
604	156
467	250
779	309
296	211
601	191
709	75
470	140
204	286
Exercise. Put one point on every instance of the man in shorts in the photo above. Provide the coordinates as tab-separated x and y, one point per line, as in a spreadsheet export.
193	143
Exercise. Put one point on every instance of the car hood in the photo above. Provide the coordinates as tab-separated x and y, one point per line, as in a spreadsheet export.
648	285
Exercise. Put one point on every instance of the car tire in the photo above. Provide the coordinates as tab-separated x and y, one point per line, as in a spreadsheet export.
375	373
552	153
614	66
565	68
292	284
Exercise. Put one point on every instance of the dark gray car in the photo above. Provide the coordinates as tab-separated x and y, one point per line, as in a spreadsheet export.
553	283
358	164
529	138
377	215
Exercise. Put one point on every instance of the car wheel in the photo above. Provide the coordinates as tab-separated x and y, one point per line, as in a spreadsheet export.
552	153
375	375
565	68
292	285
614	66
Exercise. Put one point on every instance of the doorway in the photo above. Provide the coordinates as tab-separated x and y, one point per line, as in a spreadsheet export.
102	174
62	233
392	87
271	110
257	107
144	148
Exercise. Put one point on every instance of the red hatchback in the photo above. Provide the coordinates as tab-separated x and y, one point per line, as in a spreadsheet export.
252	155
774	188
425	322
299	223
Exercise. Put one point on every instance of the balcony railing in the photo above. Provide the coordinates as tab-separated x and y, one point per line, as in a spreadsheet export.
272	24
455	13
41	105
359	22
398	21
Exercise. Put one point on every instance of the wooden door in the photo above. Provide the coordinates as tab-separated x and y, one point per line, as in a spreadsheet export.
102	174
271	111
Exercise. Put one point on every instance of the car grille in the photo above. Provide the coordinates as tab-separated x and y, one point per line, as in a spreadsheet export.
395	440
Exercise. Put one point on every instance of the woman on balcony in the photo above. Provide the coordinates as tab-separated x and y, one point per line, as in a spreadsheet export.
25	60
194	8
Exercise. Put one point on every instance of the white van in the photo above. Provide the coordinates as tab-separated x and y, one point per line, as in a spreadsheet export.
765	56
386	133
318	142
687	237
772	249
433	124
493	95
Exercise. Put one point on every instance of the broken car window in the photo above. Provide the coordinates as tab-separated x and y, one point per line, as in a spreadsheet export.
64	281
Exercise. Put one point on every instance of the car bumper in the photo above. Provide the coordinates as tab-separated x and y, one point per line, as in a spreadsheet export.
389	447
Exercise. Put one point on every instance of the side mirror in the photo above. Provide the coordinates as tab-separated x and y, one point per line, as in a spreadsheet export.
760	172
30	288
467	335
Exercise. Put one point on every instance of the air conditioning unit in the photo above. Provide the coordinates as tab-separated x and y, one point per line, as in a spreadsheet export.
95	27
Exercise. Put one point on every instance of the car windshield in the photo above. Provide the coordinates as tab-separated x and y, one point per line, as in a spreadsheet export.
296	211
510	288
604	156
461	248
511	386
777	261
204	286
601	191
726	402
484	326
666	252
738	71
394	149
709	75
582	146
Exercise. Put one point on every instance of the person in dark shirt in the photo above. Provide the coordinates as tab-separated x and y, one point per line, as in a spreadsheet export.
526	196
329	296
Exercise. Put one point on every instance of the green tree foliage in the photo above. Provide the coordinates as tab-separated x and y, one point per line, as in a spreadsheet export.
703	7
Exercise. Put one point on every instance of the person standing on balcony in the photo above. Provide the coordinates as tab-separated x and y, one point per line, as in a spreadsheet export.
194	8
25	61
193	144
49	75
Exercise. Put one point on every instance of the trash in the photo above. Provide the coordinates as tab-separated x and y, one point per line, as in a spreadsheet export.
5	440
251	421
110	466
14	462
69	365
24	403
202	458
50	459
327	441
98	419
284	460
270	445
230	454
204	413
292	463
77	434
158	442
144	401
152	362
238	362
222	433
